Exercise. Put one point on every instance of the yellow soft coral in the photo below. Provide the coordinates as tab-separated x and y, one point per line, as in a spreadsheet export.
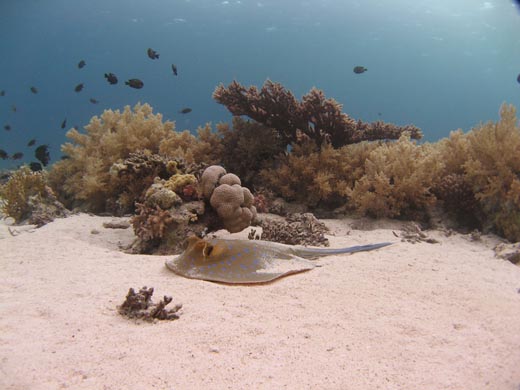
397	180
15	194
84	177
493	170
316	176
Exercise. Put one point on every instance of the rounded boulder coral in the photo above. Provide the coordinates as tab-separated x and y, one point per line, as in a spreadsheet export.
232	202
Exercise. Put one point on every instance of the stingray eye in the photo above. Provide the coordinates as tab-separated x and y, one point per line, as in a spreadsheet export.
208	248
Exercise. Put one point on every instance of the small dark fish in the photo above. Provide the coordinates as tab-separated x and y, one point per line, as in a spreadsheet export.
186	110
174	69
93	101
13	108
17	156
379	114
3	154
31	142
2	93
152	54
64	123
7	127
111	78
135	83
42	154
35	166
360	69
81	64
34	90
78	87
65	157
517	79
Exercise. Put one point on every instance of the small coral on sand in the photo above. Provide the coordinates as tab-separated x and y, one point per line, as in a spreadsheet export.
140	306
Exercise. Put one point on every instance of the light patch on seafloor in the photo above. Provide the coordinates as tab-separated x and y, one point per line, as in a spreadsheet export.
271	29
179	20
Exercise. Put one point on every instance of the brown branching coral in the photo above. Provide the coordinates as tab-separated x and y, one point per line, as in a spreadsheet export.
316	117
250	147
140	306
150	222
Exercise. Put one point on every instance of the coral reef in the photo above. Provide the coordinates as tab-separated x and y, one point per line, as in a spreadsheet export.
493	171
26	197
140	306
397	181
318	177
110	166
480	180
295	229
232	202
250	148
164	219
315	117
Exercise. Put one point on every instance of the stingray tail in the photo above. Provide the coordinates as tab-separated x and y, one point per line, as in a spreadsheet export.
310	253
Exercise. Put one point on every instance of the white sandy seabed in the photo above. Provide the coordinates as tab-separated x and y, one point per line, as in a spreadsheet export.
408	316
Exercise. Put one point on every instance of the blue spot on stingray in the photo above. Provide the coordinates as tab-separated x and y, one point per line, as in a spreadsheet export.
246	250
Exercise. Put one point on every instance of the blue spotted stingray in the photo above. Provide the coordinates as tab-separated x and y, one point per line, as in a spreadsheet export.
249	261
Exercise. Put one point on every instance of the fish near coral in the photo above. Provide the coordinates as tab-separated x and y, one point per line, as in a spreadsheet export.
42	154
111	78
135	83
249	261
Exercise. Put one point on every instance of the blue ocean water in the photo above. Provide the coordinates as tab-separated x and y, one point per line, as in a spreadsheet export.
440	65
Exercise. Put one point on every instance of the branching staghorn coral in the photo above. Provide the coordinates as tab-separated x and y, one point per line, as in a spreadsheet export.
316	117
